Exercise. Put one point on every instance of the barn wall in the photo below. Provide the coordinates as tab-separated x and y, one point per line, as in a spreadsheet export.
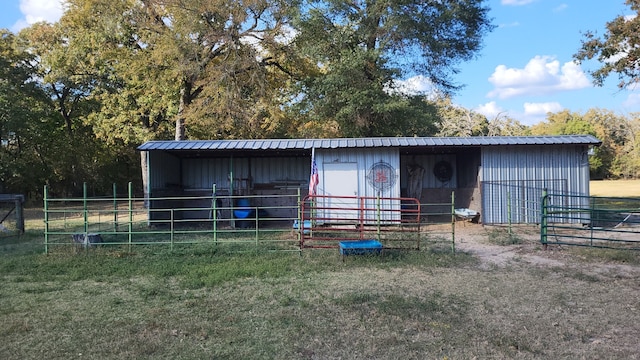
364	160
517	175
164	171
248	174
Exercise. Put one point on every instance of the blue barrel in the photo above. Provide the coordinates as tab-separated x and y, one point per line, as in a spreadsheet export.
244	210
243	213
243	202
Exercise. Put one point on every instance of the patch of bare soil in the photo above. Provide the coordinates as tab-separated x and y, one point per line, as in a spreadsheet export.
494	246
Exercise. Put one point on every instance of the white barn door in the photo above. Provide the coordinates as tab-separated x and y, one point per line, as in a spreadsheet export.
340	179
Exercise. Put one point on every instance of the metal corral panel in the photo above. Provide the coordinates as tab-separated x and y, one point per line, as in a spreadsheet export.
513	179
371	167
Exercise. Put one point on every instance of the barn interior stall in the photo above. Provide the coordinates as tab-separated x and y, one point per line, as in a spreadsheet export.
432	174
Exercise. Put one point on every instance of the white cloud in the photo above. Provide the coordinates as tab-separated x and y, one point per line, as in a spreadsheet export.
39	10
490	109
535	113
633	101
516	2
541	108
531	113
542	75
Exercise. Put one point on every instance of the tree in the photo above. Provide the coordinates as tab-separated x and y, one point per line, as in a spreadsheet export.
67	97
35	148
619	154
620	142
194	68
362	48
202	64
459	121
618	51
611	129
503	125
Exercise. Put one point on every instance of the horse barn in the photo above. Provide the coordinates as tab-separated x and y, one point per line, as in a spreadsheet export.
500	178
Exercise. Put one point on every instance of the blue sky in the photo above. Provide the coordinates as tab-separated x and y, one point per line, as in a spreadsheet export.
524	70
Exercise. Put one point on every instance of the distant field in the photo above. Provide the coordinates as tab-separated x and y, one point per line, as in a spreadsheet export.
615	188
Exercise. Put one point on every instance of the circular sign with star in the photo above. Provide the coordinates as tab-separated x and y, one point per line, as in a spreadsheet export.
381	176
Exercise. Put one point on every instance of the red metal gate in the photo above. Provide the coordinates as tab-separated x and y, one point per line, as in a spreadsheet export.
327	220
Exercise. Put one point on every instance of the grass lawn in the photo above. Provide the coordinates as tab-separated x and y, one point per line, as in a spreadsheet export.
203	302
615	188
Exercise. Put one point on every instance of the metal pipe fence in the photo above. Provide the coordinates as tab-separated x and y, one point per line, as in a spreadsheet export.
518	201
273	222
397	223
125	221
601	222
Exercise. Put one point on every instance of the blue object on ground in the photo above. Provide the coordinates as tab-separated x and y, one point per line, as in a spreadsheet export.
360	247
306	226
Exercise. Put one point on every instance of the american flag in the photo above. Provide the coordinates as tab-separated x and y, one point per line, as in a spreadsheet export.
314	180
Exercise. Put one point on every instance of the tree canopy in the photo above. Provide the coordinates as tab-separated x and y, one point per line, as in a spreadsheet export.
205	63
362	48
618	50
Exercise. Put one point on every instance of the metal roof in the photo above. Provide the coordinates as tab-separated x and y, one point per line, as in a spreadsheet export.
401	142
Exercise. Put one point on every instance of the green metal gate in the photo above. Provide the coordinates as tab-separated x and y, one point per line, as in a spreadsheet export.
602	222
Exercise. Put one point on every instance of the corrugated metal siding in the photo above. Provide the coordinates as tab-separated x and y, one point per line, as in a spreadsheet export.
281	170
203	173
164	170
521	174
365	159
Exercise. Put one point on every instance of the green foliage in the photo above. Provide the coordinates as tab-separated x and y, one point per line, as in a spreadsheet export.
201	65
36	148
361	49
618	51
619	154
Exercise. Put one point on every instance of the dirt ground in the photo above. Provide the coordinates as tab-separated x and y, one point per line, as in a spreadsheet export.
487	244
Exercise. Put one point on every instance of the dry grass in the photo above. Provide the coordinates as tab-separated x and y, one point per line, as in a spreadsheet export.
615	188
196	303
